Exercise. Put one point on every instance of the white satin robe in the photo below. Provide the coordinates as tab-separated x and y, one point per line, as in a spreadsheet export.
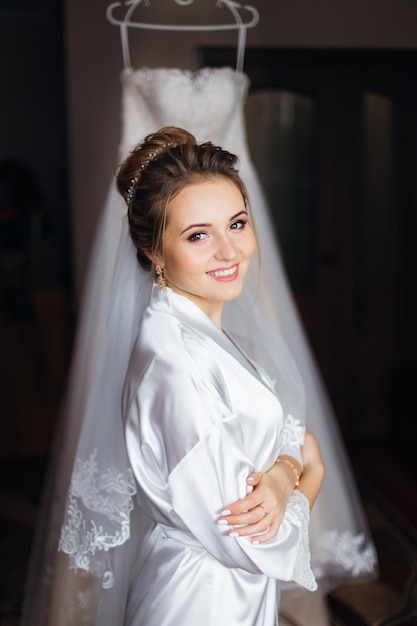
198	420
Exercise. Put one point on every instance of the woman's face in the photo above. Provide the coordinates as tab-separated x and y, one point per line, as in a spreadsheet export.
208	244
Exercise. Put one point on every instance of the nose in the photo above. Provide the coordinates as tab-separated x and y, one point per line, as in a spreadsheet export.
226	250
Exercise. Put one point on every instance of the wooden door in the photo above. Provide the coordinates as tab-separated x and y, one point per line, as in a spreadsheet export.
333	136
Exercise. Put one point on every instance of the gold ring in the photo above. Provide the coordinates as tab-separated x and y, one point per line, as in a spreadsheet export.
264	510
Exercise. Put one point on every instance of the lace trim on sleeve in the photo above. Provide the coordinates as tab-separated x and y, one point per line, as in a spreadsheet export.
302	574
97	516
293	432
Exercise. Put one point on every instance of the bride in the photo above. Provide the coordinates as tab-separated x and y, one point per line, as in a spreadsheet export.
209	103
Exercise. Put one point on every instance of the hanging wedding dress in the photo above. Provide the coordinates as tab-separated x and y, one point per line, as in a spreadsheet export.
99	516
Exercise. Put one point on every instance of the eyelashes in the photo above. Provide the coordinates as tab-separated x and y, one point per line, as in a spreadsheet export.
239	224
196	236
200	236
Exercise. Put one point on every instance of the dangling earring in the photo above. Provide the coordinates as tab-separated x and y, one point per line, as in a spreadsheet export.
160	278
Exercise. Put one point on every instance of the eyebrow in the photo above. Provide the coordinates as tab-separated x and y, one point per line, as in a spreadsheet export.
208	225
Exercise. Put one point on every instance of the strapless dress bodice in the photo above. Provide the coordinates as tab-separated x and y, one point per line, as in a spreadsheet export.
208	102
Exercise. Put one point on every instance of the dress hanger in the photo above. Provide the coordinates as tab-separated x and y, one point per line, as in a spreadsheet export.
239	25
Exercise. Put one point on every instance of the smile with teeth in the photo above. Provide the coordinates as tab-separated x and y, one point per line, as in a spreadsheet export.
226	272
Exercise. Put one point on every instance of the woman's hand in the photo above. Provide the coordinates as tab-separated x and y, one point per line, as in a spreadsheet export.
261	512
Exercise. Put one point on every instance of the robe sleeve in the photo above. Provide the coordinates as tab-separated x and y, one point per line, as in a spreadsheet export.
181	429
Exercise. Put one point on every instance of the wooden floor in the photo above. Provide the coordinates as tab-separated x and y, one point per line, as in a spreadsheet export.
387	480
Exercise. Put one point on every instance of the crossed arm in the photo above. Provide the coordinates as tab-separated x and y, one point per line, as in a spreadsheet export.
261	512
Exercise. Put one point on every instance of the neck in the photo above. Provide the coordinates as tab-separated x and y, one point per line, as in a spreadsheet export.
212	308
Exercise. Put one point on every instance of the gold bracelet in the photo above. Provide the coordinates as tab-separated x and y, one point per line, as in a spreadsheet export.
294	469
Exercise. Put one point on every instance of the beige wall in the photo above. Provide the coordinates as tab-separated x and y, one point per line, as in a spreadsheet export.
94	62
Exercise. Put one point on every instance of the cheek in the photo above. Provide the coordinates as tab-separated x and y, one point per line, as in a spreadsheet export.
185	261
251	244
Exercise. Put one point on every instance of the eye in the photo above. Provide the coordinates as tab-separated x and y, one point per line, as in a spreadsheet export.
238	224
197	236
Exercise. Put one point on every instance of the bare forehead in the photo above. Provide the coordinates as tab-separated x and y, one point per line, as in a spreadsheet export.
206	187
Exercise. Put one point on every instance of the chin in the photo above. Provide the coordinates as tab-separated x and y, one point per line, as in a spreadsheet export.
232	293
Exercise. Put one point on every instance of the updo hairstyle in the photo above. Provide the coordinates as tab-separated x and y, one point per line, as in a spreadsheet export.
155	171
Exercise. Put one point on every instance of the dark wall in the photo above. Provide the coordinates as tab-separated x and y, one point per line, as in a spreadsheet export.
35	274
32	105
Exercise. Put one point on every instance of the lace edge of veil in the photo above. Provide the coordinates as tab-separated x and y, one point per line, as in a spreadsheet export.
97	517
346	552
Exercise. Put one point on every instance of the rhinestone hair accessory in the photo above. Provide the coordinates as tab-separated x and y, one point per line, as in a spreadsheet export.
152	156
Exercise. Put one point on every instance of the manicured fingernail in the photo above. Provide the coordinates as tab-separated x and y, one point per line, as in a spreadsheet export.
233	534
222	522
255	542
250	478
226	512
